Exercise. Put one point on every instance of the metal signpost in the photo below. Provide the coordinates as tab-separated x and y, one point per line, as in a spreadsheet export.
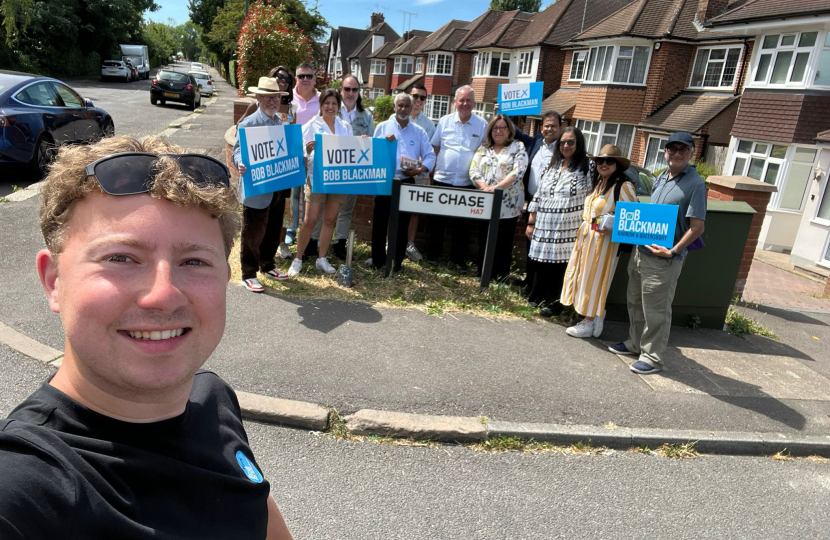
451	202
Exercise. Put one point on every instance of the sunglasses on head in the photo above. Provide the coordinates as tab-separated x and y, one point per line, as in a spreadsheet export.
349	89
131	173
422	97
305	76
605	161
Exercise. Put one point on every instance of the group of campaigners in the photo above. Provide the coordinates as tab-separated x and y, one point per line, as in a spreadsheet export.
563	191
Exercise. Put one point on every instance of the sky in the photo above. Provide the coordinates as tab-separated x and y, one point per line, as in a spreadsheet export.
431	14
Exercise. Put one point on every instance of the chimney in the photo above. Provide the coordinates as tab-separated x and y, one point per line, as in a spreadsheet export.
706	9
377	18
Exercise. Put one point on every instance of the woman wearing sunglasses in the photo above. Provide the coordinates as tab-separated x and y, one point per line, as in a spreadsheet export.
554	216
594	257
327	123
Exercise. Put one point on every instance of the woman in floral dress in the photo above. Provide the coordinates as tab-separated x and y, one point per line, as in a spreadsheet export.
500	162
555	214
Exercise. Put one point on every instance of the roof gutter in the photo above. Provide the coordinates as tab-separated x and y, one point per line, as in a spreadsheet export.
761	18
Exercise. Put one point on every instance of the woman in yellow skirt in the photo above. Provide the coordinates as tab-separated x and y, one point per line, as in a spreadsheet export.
594	257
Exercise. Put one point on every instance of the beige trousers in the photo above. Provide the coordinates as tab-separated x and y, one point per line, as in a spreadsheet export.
651	285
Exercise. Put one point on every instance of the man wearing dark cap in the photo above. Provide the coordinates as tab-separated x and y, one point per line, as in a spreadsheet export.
653	270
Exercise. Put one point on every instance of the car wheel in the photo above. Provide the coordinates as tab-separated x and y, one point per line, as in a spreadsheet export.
153	101
109	128
41	157
192	105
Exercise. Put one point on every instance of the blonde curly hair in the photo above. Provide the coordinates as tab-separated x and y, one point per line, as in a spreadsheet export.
67	183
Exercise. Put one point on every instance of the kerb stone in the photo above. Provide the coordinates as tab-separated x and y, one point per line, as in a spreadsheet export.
283	411
416	426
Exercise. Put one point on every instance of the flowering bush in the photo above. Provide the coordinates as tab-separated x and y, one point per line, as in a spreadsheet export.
268	39
384	108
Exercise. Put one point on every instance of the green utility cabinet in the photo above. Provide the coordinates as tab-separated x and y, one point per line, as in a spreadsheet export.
707	282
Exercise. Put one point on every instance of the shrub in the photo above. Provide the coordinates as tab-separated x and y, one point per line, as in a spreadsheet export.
705	170
384	108
267	39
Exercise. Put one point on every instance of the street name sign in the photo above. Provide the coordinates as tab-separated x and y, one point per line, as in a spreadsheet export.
466	203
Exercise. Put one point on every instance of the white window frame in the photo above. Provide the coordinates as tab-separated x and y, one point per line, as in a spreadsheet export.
338	67
375	93
484	110
377	67
662	140
483	61
356	71
823	48
437	64
778	48
583	60
419	64
402	62
437	103
602	51
708	51
525	64
602	132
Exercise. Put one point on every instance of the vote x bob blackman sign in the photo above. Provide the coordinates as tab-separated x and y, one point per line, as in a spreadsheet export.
353	165
446	201
521	99
645	224
273	156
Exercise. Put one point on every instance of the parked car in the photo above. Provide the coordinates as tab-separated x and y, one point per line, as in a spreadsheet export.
205	82
170	85
115	69
643	179
196	66
39	114
134	74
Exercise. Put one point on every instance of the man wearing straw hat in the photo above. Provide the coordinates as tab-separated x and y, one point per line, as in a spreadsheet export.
262	214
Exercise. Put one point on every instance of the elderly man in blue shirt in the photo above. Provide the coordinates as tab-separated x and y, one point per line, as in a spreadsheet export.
414	156
261	214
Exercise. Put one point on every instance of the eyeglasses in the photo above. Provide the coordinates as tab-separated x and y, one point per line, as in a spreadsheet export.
677	149
567	142
499	128
273	97
422	97
131	173
347	89
284	78
605	161
305	76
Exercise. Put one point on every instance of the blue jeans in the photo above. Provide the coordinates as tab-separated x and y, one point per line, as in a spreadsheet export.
296	210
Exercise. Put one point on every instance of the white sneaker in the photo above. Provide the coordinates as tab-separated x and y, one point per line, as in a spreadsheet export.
296	266
284	252
582	329
323	264
369	262
597	326
413	253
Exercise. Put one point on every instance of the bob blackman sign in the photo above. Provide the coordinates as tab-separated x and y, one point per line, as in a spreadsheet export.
353	165
521	99
273	156
466	203
645	224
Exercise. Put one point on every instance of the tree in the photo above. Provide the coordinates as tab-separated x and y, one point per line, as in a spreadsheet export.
268	38
530	6
189	40
162	39
222	38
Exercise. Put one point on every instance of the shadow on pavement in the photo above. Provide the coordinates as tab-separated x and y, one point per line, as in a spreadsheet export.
326	315
787	315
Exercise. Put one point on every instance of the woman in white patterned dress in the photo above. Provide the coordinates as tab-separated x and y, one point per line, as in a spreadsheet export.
555	214
500	162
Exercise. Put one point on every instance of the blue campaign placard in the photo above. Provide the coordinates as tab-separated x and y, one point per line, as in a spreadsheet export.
645	224
273	156
521	99
353	165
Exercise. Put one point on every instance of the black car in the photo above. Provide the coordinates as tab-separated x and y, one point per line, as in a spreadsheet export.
169	85
643	179
38	114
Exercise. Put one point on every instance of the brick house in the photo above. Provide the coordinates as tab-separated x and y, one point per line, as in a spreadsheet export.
447	67
651	69
349	48
407	62
380	71
780	134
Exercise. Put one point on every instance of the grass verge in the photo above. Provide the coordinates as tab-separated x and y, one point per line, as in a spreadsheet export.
498	445
740	325
434	290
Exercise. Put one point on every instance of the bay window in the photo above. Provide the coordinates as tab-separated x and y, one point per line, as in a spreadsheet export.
437	106
629	63
377	67
375	93
578	65
419	65
525	62
715	67
655	156
598	134
356	71
484	110
403	65
823	68
783	58
492	64
759	160
439	64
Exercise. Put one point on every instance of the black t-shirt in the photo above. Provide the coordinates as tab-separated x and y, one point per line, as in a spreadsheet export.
68	472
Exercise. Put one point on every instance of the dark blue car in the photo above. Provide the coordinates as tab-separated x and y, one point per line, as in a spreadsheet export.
38	114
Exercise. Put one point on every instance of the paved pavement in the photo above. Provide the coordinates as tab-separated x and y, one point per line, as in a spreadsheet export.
354	356
769	285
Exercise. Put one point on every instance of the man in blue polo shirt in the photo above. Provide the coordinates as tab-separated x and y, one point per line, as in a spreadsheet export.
653	270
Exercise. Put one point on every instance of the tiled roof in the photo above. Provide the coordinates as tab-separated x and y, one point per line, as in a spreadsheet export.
688	111
383	52
507	22
759	10
481	26
580	15
349	38
404	86
437	41
824	136
653	19
382	28
411	47
562	101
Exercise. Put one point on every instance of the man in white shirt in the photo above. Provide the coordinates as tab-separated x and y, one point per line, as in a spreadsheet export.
413	147
456	139
307	103
419	98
